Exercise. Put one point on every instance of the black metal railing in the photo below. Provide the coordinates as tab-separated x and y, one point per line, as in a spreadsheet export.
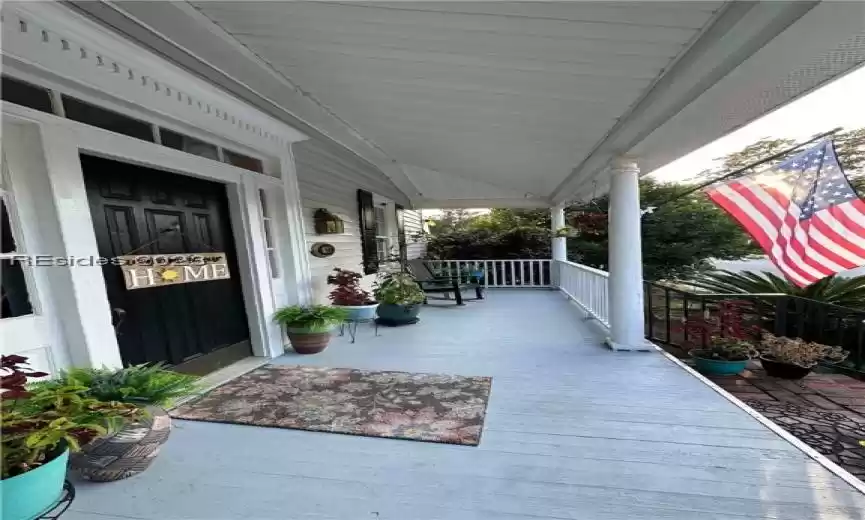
668	312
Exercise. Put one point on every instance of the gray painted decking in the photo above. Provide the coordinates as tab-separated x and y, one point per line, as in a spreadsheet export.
573	431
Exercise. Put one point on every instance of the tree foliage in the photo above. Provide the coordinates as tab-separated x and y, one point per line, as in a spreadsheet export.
846	292
482	243
450	221
678	239
849	144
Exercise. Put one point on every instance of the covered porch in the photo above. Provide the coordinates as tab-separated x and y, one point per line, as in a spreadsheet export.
434	105
573	430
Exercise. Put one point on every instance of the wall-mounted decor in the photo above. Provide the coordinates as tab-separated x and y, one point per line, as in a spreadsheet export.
326	223
322	250
145	271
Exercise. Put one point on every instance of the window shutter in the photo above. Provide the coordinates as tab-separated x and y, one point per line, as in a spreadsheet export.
366	221
400	226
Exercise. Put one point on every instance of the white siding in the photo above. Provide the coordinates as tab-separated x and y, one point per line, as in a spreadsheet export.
415	242
329	177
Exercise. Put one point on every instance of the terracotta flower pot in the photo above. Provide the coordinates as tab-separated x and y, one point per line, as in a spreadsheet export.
125	453
304	341
783	370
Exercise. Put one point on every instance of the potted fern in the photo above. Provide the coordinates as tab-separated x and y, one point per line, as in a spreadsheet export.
40	427
348	294
309	327
794	358
132	449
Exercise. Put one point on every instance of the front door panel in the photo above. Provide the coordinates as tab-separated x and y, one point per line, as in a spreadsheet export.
196	326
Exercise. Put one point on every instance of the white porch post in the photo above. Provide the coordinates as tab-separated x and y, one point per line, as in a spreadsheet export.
625	258
560	244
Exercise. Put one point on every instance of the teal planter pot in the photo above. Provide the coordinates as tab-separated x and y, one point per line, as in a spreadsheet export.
395	315
30	494
717	367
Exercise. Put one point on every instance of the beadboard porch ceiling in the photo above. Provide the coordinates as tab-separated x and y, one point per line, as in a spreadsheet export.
502	103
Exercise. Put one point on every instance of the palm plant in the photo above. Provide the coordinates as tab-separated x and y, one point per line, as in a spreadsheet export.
845	292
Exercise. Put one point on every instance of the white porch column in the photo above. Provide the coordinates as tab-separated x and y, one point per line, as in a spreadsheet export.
559	247
560	244
625	258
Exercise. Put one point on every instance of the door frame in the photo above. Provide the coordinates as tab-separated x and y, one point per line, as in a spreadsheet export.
83	299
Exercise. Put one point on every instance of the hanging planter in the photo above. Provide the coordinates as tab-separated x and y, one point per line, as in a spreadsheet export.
589	223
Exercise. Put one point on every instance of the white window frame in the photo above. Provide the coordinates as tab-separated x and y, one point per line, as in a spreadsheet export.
268	232
8	200
388	236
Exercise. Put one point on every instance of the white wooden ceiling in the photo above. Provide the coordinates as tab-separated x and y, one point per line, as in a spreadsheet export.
471	104
514	95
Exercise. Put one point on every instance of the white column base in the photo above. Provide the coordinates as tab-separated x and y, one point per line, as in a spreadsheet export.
619	347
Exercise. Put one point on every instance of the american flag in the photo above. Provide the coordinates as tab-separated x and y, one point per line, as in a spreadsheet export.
803	213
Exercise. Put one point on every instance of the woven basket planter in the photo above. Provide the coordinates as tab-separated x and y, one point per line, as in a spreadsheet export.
305	342
125	453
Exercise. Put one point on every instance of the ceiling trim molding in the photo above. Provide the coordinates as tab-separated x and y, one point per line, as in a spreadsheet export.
51	41
738	32
527	203
195	42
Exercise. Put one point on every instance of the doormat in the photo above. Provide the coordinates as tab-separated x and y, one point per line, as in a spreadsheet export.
398	405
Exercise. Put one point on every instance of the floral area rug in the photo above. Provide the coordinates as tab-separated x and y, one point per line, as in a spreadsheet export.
399	405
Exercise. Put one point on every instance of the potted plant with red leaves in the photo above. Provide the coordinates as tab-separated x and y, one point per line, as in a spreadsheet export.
724	343
40	426
349	295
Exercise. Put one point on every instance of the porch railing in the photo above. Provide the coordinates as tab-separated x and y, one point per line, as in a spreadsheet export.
669	312
498	273
587	287
668	309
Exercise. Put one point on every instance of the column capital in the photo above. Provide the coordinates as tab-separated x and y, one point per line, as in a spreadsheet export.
625	163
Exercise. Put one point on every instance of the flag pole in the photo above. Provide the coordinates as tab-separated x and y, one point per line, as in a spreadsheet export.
744	169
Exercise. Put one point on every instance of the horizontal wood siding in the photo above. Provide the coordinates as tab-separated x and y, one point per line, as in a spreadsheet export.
415	245
329	178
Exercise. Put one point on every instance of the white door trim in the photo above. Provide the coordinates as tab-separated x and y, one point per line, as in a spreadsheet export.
63	140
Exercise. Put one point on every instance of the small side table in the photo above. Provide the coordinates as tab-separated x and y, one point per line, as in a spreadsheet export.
352	327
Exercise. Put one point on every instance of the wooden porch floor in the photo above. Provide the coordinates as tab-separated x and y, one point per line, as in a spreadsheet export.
573	431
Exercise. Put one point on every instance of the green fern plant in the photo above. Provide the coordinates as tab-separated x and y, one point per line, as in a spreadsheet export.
315	318
138	384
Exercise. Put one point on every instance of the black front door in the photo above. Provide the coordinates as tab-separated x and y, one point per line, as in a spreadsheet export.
196	327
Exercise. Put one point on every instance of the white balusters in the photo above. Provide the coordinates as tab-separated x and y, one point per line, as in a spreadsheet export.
587	287
499	273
